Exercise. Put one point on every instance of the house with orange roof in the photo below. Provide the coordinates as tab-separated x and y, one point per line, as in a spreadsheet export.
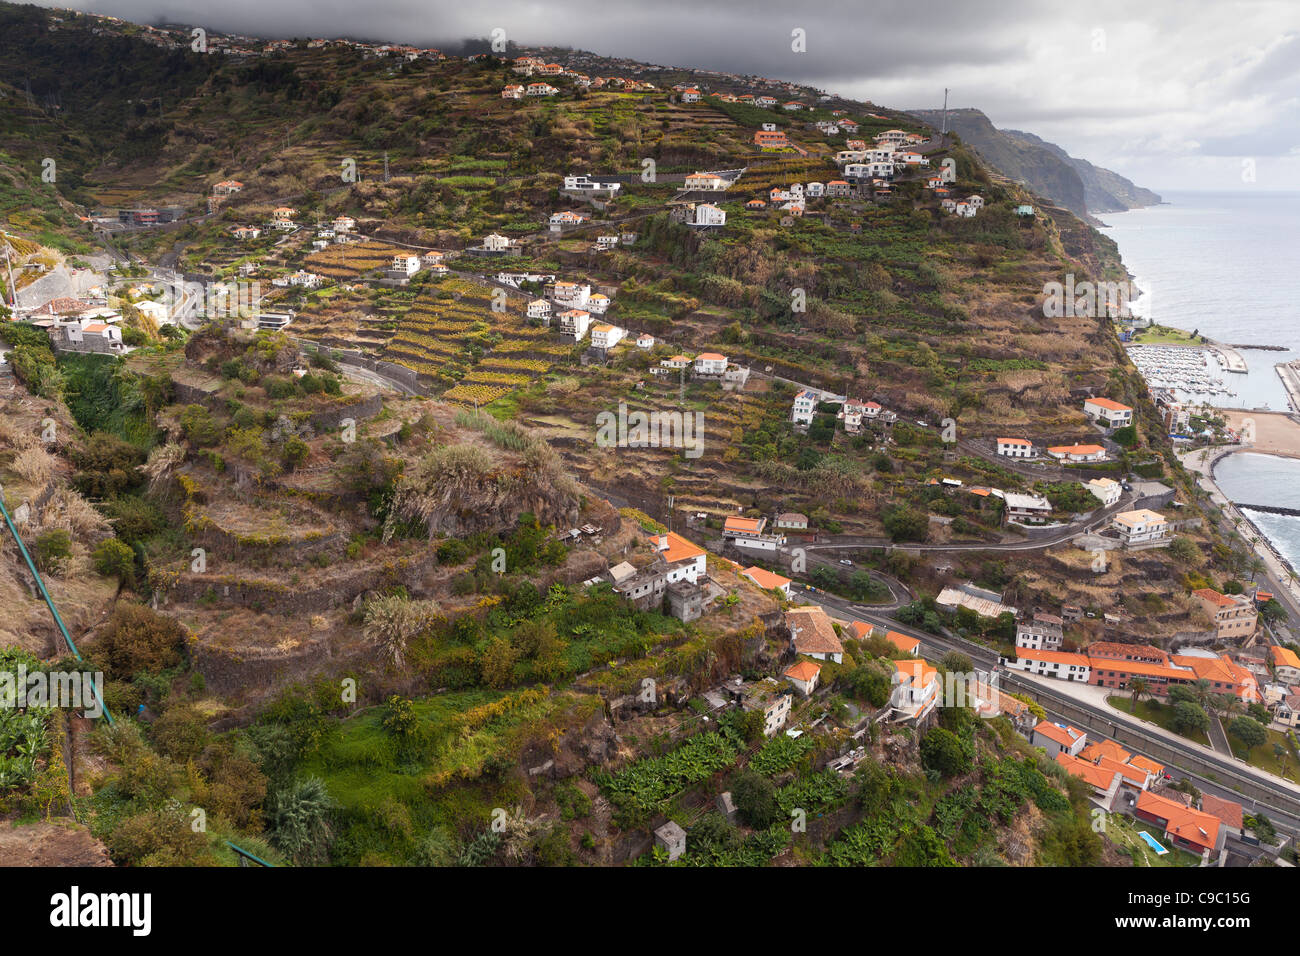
686	560
769	581
1195	831
227	187
1235	616
710	363
1105	748
1156	770
1286	664
1224	674
749	533
1228	812
908	645
803	674
812	633
1109	413
1058	738
1117	674
691	95
1105	783
1134	779
771	139
916	690
1077	452
1059	664
1015	447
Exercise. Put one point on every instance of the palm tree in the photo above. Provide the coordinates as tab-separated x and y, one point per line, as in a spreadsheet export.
1139	689
1256	566
1202	691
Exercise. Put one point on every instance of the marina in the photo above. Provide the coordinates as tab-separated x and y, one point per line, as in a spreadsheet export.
1190	371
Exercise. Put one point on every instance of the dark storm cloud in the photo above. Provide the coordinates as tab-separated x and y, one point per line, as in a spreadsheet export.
1160	87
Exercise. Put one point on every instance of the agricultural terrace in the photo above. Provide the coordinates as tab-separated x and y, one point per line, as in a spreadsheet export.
352	260
454	340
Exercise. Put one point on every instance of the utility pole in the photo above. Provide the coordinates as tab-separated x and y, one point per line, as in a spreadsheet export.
385	165
944	129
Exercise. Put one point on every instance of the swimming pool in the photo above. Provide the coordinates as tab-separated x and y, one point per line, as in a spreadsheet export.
1153	843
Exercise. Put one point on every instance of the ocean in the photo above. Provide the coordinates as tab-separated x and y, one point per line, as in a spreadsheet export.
1227	264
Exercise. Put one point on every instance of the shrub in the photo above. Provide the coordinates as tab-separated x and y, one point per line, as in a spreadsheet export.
114	559
945	752
51	550
137	638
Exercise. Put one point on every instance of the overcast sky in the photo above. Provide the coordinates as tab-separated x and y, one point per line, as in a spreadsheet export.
1171	93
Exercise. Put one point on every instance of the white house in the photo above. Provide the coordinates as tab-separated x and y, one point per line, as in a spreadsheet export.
792	519
1108	413
495	242
575	322
1140	525
691	95
812	634
710	363
565	218
584	184
1058	738
803	675
407	264
571	293
606	336
706	181
645	341
344	224
805	405
539	309
541	89
597	303
512	92
706	214
686	561
1107	490
1059	664
816	190
676	362
916	689
1077	452
1016	447
1022	507
1044	632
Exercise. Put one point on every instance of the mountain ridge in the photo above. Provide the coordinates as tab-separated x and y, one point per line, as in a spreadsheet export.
1081	186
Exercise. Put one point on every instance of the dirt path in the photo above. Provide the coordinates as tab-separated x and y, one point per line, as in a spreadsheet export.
50	844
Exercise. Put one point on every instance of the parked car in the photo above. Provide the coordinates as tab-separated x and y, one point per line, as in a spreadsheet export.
846	562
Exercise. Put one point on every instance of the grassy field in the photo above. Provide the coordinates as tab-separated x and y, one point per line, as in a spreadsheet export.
1265	757
1153	711
1165	335
1123	832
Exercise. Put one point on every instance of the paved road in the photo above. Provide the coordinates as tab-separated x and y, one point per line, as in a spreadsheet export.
1201	463
1084	524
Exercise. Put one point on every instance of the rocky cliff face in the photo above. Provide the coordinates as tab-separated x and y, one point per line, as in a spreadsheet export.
1103	190
1044	167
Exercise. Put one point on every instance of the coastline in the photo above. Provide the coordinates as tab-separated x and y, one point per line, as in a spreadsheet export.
1277	566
